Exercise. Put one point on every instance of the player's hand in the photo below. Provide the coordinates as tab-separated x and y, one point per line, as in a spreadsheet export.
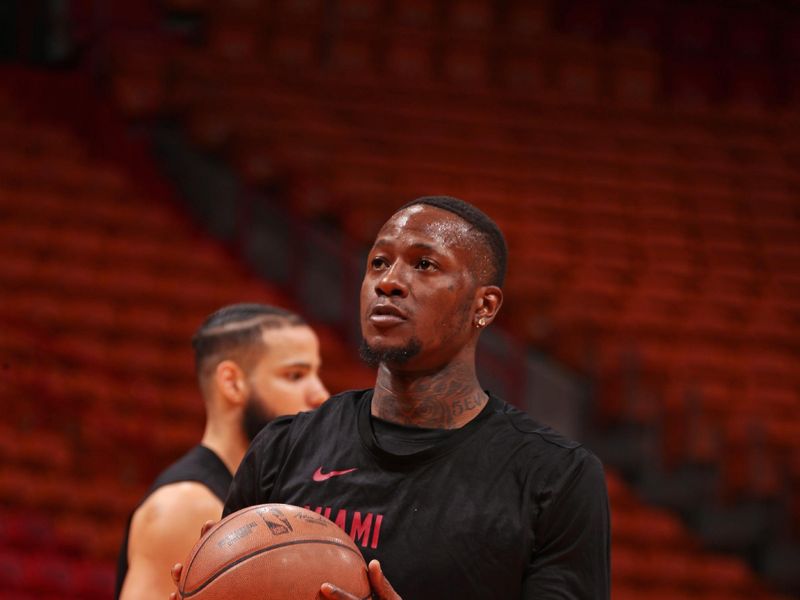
381	588
177	568
175	571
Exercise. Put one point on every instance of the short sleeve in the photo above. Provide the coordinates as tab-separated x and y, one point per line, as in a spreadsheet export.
258	472
571	557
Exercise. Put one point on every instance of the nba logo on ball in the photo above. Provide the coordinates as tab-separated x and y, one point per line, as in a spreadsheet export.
275	519
274	551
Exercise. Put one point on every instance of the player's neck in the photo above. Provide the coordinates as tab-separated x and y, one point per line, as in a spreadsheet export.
229	448
446	398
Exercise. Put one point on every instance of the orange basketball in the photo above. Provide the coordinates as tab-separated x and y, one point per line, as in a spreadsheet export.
275	552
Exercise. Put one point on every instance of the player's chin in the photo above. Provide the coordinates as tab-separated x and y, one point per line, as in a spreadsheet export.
397	333
380	344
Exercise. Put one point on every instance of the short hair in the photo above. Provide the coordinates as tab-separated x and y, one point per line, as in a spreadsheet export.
486	228
235	331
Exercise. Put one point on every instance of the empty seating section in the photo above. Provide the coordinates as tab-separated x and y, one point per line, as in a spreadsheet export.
649	239
101	291
742	57
653	555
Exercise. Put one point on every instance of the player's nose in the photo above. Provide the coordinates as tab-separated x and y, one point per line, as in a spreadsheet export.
317	393
390	282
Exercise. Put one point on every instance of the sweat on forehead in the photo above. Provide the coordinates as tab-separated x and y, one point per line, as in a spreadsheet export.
443	227
431	221
493	244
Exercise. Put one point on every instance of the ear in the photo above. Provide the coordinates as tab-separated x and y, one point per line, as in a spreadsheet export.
231	383
489	299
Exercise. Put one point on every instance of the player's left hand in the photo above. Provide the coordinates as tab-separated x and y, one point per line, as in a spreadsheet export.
177	568
175	572
381	588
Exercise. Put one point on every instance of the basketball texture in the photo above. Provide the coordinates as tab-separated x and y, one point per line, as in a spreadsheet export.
273	552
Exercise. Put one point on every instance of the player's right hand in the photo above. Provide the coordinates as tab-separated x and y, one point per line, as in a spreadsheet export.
177	568
381	588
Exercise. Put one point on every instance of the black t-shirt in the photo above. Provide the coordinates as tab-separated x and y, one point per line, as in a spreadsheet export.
500	508
200	464
406	439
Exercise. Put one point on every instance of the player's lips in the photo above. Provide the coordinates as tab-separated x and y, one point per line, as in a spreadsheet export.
386	315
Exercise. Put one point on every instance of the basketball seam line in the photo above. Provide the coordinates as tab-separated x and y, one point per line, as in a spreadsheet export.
185	594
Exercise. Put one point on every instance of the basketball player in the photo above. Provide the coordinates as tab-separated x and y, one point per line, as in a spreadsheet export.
254	363
455	493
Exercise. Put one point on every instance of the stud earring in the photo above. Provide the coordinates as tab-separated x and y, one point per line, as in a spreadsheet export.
482	322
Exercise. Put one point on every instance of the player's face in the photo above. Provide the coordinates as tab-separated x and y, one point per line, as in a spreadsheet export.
286	380
418	292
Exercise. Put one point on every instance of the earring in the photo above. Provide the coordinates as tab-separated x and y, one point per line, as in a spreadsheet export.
482	322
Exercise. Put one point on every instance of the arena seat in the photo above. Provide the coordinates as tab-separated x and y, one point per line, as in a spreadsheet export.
526	20
11	568
409	56
20	531
469	15
466	62
354	52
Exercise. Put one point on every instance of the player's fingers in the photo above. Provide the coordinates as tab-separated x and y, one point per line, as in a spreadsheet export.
175	571
206	526
381	587
331	592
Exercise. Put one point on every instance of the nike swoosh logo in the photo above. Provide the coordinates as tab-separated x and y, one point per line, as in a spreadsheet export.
320	476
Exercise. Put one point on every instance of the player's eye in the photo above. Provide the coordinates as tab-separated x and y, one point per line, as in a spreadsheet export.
378	262
425	265
294	375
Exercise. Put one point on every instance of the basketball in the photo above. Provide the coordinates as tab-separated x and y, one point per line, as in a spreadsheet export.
275	552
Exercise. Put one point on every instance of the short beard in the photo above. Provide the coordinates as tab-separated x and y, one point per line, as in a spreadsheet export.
393	356
254	417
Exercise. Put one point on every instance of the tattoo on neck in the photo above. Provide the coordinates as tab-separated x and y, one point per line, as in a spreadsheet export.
443	400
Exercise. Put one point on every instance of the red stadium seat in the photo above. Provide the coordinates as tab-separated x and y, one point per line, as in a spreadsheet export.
524	68
694	31
186	6
139	81
470	15
299	11
635	76
354	52
586	18
528	19
12	571
466	63
641	23
410	57
362	12
294	48
693	84
415	13
25	532
650	529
